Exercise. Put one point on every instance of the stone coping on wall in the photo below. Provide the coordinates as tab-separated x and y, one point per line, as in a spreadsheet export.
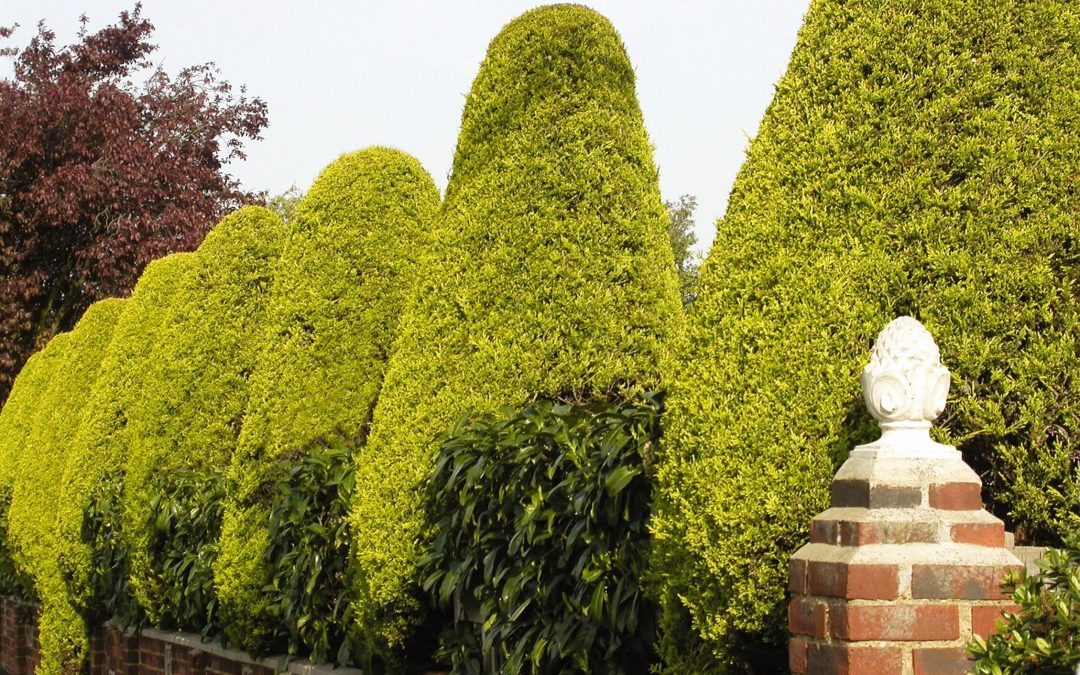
195	641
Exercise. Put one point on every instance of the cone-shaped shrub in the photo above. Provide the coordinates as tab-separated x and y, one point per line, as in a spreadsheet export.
919	158
553	277
194	391
99	448
38	484
339	291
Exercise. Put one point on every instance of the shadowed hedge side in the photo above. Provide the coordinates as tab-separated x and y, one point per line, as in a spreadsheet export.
38	483
194	391
339	291
919	158
553	276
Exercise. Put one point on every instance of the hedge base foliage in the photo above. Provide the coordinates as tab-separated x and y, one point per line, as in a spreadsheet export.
541	530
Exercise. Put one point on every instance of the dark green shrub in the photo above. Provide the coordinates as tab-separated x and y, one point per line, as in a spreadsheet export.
1044	636
310	593
339	291
194	385
552	277
918	158
542	526
109	596
39	478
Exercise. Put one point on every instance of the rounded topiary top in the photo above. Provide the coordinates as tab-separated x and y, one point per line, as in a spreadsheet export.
195	384
918	158
38	484
339	290
552	275
97	453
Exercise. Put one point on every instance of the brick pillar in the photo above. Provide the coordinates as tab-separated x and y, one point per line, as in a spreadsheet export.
905	566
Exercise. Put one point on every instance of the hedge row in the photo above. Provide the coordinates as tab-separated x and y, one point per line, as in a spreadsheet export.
918	158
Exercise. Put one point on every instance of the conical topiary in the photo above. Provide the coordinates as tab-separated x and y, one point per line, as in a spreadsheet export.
339	291
38	482
98	450
552	277
195	388
918	158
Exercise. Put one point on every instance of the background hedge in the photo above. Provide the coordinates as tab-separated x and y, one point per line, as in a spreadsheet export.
339	291
194	390
553	277
38	482
920	157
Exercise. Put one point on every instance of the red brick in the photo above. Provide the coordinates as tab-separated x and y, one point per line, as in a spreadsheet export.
824	531
957	582
861	493
807	616
981	534
956	496
797	656
895	622
854	582
985	617
941	661
851	660
797	576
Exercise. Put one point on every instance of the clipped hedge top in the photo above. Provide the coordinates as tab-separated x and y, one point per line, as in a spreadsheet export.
195	383
552	274
39	480
918	158
339	291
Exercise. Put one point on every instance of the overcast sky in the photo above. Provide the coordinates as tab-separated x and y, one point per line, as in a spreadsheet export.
339	75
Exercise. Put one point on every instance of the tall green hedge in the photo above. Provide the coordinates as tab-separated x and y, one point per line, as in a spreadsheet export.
38	483
339	291
98	450
920	157
194	388
552	276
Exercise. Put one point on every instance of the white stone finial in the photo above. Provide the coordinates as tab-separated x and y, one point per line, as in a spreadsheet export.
905	387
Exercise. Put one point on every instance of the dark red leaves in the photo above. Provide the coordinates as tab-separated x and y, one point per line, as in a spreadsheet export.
99	176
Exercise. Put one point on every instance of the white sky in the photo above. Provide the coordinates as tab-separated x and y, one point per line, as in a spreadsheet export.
339	75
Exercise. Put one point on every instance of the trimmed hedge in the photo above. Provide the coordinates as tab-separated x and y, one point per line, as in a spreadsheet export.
339	290
38	484
93	478
552	277
918	158
194	388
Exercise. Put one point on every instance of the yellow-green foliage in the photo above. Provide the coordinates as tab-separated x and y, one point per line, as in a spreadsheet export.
39	476
20	411
919	158
194	387
553	276
339	291
99	448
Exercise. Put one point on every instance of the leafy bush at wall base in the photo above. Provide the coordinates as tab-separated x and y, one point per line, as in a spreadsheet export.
918	158
310	590
184	527
13	584
1044	636
38	483
542	528
552	277
340	288
110	598
195	388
